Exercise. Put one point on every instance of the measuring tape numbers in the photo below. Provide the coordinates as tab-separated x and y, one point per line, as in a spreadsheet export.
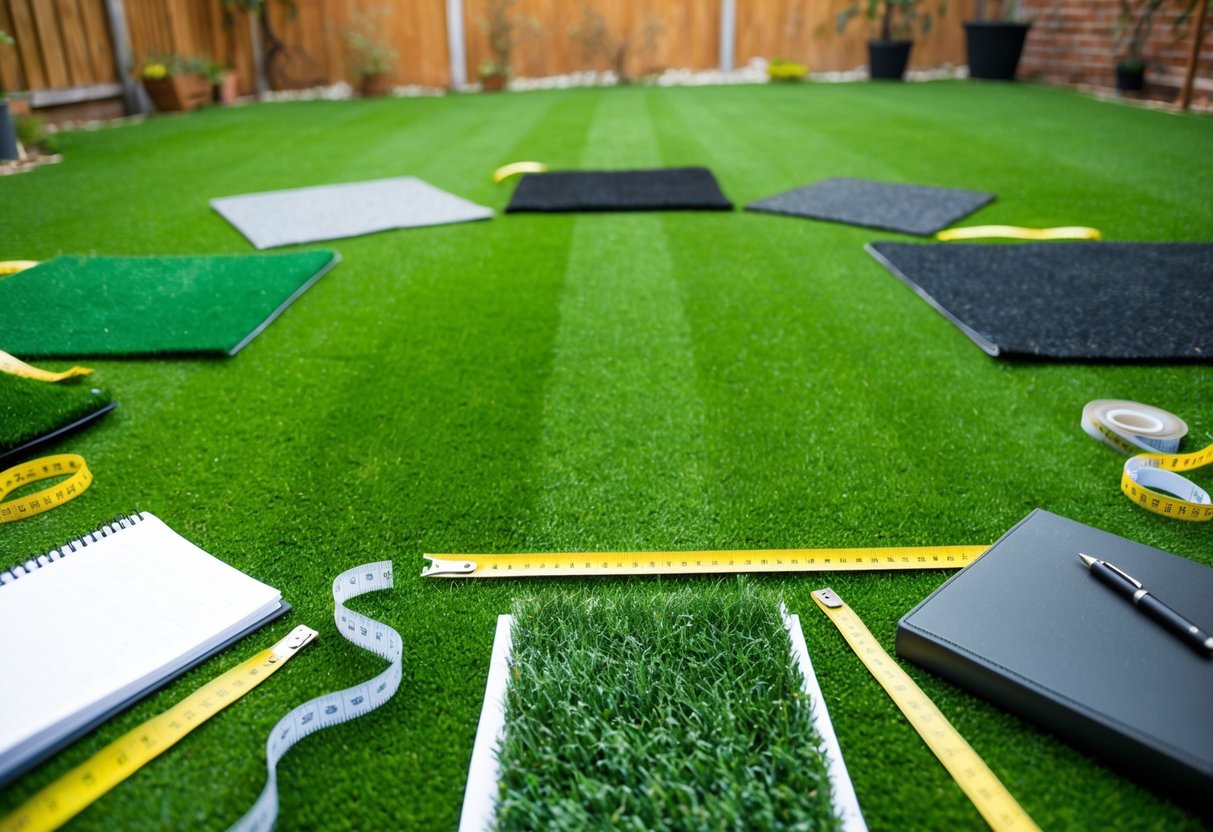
557	564
1000	810
341	706
75	791
79	478
1151	479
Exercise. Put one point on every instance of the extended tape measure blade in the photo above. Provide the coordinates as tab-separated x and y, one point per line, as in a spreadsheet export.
991	798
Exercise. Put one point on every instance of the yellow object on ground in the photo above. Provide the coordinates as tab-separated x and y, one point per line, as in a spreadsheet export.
1015	232
15	366
37	470
506	171
8	267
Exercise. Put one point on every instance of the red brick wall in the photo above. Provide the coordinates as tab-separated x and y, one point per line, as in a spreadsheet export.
1073	42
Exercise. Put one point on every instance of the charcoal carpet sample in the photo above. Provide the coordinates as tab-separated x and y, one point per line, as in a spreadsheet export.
35	414
909	209
657	189
1070	301
330	212
99	306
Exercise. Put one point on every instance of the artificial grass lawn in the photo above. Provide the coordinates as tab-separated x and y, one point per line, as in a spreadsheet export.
683	711
605	382
31	409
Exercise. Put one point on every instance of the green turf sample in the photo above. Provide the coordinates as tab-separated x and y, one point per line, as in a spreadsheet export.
32	410
661	381
682	711
92	306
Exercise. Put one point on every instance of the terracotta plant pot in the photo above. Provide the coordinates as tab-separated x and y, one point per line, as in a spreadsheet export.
227	90
178	92
493	83
376	85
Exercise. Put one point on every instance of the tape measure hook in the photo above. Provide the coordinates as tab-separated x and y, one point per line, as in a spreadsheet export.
829	598
438	566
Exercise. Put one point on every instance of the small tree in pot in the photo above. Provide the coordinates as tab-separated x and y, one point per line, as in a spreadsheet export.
889	54
1134	25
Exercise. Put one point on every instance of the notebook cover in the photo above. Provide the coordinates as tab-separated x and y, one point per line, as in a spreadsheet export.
1029	628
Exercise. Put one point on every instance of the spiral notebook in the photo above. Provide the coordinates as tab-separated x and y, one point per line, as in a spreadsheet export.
97	624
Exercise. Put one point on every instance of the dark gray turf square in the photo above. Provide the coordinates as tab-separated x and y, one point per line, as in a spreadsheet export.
659	189
910	209
1075	301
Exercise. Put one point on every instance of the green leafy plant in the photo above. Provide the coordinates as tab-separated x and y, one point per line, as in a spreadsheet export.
32	133
898	19
599	40
1135	23
780	70
370	53
503	26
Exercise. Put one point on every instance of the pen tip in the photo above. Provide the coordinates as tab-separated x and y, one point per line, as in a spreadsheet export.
1086	559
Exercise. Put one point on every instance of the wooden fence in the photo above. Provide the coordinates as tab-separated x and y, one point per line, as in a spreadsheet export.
67	43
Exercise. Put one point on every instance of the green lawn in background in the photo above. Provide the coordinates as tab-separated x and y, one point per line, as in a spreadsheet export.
663	381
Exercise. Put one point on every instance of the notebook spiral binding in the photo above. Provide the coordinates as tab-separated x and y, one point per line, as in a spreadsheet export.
38	561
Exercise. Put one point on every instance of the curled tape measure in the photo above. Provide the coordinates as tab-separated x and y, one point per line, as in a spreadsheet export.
516	168
1150	479
15	366
79	478
563	564
976	780
1016	232
342	706
72	793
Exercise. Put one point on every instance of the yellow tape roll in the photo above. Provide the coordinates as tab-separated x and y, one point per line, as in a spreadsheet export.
15	366
48	467
1150	479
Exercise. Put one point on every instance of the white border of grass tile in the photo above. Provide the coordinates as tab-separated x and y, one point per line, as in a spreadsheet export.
846	804
480	795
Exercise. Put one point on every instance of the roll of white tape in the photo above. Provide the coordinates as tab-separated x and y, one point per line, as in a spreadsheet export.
1131	427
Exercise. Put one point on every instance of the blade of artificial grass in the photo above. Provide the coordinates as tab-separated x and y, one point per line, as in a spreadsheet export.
676	711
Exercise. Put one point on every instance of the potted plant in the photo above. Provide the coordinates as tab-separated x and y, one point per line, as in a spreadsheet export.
889	54
176	82
994	43
780	70
8	134
224	83
371	55
501	26
1134	25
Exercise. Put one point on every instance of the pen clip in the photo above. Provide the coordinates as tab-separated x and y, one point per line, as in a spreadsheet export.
1122	573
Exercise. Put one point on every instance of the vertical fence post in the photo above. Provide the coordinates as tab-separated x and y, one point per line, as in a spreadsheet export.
1198	36
728	25
134	99
455	43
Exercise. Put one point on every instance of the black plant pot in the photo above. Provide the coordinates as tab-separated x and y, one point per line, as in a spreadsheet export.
1130	77
887	59
8	134
994	47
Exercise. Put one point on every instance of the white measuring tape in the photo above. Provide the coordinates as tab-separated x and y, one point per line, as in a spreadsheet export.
342	706
1149	479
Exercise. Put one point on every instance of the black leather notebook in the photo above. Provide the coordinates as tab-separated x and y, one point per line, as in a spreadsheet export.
1029	628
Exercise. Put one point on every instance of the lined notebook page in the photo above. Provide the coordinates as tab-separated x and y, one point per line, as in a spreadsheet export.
97	625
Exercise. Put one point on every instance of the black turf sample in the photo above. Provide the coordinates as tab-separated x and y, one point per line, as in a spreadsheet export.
1076	301
910	209
659	189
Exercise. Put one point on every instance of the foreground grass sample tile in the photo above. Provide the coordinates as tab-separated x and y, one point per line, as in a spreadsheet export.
330	212
34	413
1083	301
677	711
93	306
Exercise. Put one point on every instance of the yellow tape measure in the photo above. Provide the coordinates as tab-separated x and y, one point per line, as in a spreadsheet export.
970	772
1016	232
1150	479
515	168
65	798
48	467
556	564
15	366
